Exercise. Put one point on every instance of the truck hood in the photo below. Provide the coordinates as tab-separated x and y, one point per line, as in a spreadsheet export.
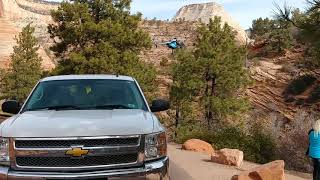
79	123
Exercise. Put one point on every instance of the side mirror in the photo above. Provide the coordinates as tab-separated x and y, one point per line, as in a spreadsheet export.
11	107
159	105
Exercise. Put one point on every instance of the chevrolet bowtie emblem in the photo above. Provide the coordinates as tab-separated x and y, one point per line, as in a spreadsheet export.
77	152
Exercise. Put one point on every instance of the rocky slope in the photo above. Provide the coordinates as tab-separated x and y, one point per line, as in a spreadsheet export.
272	76
206	11
7	33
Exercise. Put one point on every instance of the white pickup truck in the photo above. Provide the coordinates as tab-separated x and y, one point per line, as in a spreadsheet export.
83	127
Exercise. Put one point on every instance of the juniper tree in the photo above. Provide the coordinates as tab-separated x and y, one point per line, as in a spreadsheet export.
101	36
260	28
274	32
280	37
24	69
309	25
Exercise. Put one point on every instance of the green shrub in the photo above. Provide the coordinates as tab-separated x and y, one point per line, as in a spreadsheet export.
257	147
232	138
299	85
261	148
194	131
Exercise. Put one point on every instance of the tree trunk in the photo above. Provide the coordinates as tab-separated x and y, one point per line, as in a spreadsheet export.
212	93
206	95
177	118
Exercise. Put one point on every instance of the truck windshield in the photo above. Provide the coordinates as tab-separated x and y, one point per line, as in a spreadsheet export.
85	94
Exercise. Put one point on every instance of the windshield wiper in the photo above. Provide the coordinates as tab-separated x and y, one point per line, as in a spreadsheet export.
112	106
65	107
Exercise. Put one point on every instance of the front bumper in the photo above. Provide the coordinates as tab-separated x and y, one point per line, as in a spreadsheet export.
156	167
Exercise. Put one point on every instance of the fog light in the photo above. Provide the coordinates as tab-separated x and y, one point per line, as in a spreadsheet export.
151	152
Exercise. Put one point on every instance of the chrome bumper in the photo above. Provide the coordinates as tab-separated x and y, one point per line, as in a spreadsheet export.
157	167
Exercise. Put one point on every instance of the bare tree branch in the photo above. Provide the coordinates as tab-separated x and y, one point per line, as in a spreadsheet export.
285	13
314	5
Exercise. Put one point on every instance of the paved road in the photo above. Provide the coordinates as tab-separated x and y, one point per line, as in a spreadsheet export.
186	165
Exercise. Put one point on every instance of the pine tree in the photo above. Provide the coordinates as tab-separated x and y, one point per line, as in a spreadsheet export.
96	37
25	67
212	73
223	71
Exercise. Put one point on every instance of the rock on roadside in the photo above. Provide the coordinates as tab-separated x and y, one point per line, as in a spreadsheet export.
270	171
231	157
198	145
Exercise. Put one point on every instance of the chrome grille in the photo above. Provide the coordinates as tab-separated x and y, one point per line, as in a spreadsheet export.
50	154
69	162
69	143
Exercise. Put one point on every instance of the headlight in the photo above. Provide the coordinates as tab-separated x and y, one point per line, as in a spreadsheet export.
155	146
4	151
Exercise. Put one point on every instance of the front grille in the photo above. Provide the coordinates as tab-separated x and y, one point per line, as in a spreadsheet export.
69	162
49	154
83	142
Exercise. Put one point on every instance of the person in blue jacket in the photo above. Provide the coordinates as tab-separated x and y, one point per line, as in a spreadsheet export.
314	149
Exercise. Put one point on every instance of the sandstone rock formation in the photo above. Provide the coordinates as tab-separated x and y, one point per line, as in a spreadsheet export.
272	76
270	171
27	9
232	157
197	145
206	11
15	14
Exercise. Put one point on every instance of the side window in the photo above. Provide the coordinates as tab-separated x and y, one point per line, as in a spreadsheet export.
37	96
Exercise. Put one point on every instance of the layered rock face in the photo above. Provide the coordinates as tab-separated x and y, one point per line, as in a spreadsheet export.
207	11
17	10
16	14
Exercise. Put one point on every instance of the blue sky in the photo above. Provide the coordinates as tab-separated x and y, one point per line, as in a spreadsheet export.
243	11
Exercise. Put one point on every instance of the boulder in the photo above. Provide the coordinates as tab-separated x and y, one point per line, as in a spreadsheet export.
198	145
231	157
270	171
